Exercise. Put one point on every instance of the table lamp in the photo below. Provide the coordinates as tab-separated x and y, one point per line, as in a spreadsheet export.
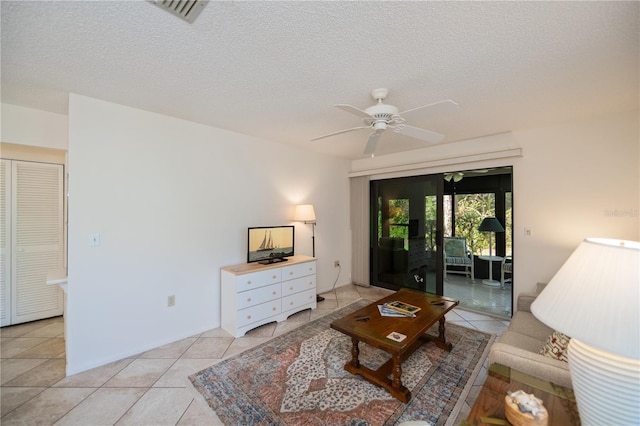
595	300
305	213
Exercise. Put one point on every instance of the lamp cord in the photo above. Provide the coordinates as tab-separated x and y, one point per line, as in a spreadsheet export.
333	288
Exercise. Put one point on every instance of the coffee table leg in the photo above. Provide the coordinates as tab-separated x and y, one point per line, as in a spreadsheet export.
397	372
355	352
442	339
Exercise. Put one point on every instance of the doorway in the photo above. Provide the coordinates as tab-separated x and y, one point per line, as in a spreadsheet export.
412	216
470	197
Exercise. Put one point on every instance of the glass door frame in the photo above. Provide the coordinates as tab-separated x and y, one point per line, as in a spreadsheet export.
415	227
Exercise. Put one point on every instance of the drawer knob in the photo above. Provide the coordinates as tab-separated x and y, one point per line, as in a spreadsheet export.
273	309
274	277
291	273
290	288
291	303
310	269
274	293
248	316
249	282
248	299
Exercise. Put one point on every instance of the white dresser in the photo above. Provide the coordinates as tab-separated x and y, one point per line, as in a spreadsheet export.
254	294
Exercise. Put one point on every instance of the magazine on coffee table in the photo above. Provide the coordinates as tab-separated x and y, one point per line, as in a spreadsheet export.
385	312
402	307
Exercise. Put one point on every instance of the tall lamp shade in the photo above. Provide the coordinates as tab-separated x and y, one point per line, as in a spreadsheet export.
304	213
490	224
595	300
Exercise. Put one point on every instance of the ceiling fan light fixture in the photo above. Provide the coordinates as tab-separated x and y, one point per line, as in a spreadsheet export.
456	176
380	125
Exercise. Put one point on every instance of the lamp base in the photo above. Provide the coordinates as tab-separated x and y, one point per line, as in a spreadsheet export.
491	283
607	386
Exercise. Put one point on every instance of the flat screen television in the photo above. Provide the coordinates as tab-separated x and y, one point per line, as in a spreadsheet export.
270	244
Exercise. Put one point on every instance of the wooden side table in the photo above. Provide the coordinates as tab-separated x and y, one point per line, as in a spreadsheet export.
489	406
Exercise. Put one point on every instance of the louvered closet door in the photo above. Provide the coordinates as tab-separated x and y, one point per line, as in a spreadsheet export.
5	242
37	237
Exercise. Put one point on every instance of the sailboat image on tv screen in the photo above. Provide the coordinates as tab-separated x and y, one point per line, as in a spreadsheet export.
267	243
270	243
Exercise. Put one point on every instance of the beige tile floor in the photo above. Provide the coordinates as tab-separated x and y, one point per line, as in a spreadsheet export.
151	388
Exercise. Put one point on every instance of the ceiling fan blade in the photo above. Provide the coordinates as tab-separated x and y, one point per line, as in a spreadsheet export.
418	133
372	143
441	106
353	110
341	131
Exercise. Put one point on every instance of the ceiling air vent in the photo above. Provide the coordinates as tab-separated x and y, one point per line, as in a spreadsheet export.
185	9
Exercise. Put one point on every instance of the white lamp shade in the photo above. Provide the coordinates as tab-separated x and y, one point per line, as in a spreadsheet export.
304	213
595	296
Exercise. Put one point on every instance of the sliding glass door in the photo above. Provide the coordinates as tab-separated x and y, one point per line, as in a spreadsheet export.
426	235
405	233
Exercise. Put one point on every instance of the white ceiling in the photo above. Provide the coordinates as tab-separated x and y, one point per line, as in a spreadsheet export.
275	69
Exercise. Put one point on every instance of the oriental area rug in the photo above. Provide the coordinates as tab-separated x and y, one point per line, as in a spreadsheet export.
298	379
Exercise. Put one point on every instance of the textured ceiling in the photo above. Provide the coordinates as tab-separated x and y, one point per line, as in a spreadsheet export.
275	69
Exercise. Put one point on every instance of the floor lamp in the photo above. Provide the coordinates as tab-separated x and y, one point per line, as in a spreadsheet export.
595	299
490	224
305	213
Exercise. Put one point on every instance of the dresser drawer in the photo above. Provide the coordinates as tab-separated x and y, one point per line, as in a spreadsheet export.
298	285
299	270
259	295
259	312
257	279
299	299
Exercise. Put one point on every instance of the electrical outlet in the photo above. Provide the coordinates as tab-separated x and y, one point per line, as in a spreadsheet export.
336	264
171	301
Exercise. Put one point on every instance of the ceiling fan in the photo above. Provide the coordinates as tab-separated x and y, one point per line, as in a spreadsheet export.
457	176
381	117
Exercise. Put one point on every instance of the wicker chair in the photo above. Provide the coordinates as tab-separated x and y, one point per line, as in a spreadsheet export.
506	268
458	256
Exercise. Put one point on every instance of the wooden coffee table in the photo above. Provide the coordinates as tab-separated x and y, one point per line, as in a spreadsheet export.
368	326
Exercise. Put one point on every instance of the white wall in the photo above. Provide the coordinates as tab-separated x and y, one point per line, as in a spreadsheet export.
574	181
570	182
172	201
27	126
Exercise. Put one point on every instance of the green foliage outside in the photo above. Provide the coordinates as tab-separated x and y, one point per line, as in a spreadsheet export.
470	210
399	219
